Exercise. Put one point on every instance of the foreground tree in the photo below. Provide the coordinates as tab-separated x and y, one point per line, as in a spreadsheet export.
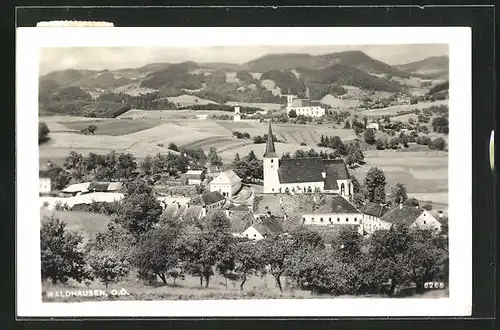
369	136
248	260
61	258
276	254
43	133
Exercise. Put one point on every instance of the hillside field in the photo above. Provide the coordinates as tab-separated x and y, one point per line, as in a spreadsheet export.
393	110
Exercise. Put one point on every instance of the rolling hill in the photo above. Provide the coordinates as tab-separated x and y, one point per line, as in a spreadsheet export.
436	67
356	59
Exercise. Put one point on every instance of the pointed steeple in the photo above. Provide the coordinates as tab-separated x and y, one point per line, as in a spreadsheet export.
270	150
289	91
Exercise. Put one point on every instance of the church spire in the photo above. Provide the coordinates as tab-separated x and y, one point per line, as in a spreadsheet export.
270	150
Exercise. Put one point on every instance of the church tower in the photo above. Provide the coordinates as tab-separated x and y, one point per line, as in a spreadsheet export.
271	165
289	99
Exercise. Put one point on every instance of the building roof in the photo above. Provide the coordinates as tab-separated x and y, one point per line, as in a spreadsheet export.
373	209
241	221
77	187
335	170
238	208
405	215
193	212
329	204
270	149
300	170
212	197
226	177
270	226
194	172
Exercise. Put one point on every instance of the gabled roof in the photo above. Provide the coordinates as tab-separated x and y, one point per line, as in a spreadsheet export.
194	172
406	215
226	177
269	226
212	197
373	209
300	170
241	221
331	204
193	212
335	170
77	187
270	149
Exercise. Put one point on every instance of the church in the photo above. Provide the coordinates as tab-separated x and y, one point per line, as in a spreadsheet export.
303	107
304	175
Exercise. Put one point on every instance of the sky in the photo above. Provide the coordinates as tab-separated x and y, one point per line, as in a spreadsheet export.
99	58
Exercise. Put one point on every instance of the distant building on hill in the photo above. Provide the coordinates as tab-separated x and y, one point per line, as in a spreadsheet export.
374	126
303	107
304	175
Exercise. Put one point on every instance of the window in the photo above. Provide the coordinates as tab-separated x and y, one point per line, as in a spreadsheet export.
424	222
338	219
254	235
330	219
273	189
342	189
355	219
272	160
312	219
346	219
303	219
321	219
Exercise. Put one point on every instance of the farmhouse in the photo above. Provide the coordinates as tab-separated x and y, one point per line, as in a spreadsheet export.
304	175
333	210
413	217
303	107
267	227
227	183
212	200
372	212
195	176
202	117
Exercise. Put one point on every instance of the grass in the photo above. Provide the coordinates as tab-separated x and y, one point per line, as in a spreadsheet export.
393	110
113	128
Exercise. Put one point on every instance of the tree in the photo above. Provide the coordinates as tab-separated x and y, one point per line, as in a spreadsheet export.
107	255
292	114
398	194
156	252
380	144
248	260
394	143
43	133
203	248
427	206
91	129
147	165
286	155
356	186
61	259
438	144
213	158
347	125
140	210
197	158
125	166
276	254
412	202
375	185
173	146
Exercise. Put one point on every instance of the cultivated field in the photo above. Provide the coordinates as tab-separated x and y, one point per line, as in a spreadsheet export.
424	173
393	110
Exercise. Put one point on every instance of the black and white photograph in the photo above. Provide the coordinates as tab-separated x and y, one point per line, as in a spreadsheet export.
291	171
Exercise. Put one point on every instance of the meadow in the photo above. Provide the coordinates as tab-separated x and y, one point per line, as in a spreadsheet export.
393	110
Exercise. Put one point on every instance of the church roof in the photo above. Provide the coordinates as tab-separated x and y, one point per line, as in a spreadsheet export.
270	149
298	103
299	170
335	170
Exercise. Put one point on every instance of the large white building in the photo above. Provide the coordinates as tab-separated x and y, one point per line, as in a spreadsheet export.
227	183
304	175
304	107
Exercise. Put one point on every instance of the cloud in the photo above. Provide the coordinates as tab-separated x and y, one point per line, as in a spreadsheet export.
111	58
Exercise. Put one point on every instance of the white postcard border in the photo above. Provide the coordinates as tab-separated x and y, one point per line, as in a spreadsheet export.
28	286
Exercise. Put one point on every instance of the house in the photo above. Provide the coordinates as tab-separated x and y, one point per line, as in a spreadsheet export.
237	113
330	210
227	183
412	217
195	176
374	126
87	198
212	200
268	227
372	212
202	117
304	175
177	211
240	220
303	107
